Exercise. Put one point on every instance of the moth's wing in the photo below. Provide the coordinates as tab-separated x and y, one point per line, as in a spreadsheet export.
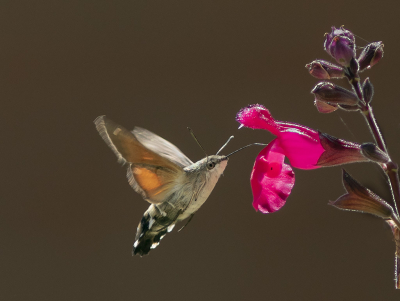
161	146
151	175
154	184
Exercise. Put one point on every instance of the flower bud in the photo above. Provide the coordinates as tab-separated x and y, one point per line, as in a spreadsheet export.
361	199
332	94
325	70
374	153
371	55
338	32
368	90
338	151
340	44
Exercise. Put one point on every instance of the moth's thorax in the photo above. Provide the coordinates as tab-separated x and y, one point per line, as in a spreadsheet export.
202	179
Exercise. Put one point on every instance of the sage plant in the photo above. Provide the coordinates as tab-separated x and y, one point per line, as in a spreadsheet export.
272	180
340	45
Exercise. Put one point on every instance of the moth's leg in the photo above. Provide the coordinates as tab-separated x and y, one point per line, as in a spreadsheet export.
190	218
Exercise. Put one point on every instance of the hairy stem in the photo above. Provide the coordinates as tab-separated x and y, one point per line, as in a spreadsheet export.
392	172
355	82
390	168
373	126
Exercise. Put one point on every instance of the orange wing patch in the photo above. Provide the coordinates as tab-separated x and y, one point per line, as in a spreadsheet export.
146	178
155	182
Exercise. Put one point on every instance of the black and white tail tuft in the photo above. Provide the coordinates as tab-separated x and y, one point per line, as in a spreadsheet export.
149	233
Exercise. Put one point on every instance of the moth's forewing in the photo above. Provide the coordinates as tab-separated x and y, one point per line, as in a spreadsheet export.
150	174
161	146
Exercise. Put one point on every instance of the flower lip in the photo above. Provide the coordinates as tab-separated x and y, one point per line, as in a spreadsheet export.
324	107
271	179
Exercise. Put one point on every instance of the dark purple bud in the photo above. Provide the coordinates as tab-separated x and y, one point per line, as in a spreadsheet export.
338	151
361	199
368	90
374	153
338	32
371	55
340	44
332	94
325	70
324	107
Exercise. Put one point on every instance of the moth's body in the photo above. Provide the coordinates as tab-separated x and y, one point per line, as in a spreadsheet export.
175	186
194	187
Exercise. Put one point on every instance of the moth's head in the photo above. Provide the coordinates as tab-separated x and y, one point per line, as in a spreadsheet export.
214	164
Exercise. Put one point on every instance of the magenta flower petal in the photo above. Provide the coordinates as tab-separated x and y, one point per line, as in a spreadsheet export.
271	180
301	145
257	117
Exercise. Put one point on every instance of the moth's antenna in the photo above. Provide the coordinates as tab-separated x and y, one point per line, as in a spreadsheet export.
244	148
195	138
230	138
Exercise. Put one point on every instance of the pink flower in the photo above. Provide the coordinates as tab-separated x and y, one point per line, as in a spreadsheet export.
271	179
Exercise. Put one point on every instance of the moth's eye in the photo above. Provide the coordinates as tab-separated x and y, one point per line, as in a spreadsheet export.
210	165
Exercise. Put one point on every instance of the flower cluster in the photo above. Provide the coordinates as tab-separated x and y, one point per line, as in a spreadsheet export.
340	44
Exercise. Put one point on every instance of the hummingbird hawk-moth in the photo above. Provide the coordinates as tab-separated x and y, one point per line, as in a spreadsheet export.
167	179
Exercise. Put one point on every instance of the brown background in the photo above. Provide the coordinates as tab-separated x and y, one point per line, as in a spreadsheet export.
68	217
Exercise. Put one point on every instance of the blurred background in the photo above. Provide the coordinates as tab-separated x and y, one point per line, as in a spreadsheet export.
68	216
